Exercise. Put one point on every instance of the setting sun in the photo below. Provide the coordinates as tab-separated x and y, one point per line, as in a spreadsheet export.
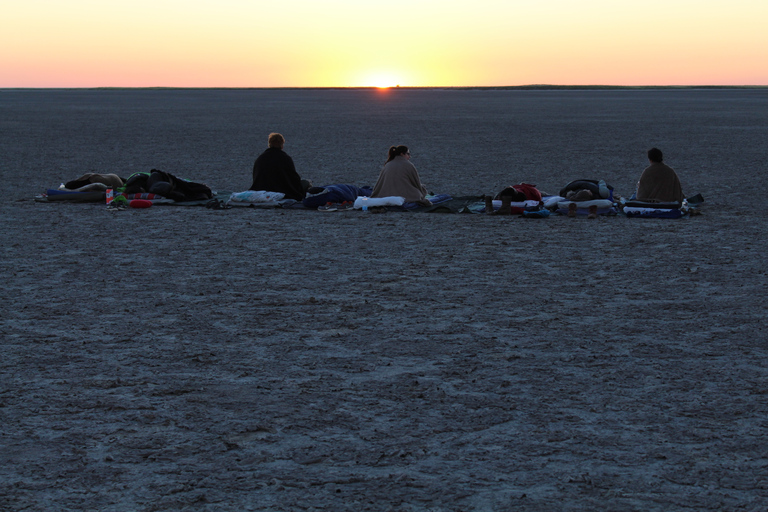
381	80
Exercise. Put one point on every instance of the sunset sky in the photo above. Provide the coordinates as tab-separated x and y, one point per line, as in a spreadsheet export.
331	43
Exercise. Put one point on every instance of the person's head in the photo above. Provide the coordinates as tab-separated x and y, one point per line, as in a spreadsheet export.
276	140
655	156
398	151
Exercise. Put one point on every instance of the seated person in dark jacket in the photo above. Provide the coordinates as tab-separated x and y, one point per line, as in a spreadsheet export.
659	182
274	171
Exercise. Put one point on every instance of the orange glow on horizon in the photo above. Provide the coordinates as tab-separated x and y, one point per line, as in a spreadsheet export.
337	43
382	81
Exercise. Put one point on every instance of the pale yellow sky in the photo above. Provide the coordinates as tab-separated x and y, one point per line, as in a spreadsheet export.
308	43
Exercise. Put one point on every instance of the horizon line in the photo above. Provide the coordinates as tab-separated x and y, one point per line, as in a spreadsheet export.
410	87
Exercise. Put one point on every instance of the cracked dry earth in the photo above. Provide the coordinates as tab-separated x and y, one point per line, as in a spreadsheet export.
189	359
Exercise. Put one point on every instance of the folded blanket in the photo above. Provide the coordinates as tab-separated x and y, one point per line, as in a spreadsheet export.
551	201
378	201
255	197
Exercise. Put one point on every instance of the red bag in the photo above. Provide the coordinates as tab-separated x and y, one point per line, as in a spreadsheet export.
140	203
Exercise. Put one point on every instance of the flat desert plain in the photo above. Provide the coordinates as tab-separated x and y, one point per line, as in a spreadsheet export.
182	358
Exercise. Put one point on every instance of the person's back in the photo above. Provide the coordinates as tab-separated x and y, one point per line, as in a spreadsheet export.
274	171
399	177
659	182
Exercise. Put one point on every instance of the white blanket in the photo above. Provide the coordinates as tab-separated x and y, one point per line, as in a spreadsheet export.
255	197
516	204
378	201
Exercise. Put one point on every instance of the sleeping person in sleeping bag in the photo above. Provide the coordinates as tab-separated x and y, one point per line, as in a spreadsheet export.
513	194
108	180
167	185
520	192
319	196
587	190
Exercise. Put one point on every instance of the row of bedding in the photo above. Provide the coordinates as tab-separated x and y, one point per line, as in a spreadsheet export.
578	198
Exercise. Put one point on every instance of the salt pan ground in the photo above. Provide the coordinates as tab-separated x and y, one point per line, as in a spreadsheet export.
189	359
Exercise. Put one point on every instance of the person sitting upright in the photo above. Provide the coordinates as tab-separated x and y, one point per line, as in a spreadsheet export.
399	177
274	171
659	182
